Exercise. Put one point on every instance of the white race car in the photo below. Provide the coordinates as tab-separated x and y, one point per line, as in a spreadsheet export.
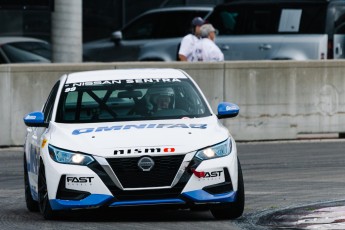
134	137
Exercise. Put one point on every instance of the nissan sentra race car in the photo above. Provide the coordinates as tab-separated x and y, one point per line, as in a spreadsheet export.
134	137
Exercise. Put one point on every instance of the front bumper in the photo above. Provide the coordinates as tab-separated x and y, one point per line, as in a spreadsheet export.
108	184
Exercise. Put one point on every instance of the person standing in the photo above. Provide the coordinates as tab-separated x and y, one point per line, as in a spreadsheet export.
206	49
187	43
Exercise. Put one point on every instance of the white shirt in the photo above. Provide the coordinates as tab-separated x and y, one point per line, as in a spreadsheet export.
187	46
207	51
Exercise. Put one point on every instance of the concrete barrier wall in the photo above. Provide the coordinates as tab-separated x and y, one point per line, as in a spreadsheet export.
278	100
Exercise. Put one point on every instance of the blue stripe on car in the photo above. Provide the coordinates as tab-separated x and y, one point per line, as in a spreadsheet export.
96	200
202	196
92	201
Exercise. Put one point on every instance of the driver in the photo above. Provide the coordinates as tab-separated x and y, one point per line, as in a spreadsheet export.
163	102
160	99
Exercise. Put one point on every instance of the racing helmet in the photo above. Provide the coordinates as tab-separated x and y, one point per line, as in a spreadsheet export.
155	94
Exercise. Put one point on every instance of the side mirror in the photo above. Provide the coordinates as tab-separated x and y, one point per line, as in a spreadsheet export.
35	119
116	37
227	110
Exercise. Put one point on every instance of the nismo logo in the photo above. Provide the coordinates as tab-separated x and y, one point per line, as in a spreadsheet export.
143	150
140	126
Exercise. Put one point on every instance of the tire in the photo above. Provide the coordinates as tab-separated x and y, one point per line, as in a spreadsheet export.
43	199
31	204
232	210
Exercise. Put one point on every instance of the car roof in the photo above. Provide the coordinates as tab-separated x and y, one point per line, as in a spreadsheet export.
172	9
116	74
10	39
180	8
276	1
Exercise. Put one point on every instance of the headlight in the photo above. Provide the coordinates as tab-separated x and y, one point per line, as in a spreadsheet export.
67	157
219	150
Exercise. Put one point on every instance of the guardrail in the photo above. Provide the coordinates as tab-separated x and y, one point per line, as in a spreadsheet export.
278	100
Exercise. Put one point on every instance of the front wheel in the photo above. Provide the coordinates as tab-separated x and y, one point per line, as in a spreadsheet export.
43	199
235	209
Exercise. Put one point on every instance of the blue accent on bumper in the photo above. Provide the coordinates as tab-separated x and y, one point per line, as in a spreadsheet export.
202	196
34	194
97	200
147	202
92	201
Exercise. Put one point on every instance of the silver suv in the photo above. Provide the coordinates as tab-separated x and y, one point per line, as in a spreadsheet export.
280	29
158	32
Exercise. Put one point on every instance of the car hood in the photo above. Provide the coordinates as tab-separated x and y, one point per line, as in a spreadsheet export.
135	138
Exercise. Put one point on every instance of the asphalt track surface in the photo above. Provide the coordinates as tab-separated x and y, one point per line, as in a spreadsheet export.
289	185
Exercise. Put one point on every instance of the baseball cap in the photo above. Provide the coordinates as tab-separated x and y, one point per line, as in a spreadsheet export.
198	21
206	29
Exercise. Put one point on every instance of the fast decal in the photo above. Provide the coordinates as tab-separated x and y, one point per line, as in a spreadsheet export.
72	179
140	126
203	174
72	86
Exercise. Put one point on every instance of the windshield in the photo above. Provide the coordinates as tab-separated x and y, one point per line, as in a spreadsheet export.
126	100
21	52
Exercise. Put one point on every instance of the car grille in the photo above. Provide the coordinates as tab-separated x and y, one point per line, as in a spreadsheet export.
131	176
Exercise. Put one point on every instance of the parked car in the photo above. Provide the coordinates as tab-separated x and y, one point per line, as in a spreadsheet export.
158	26
24	50
280	29
131	137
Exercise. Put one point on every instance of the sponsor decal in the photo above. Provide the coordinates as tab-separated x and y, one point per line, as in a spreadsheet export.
203	174
169	150
83	179
79	182
140	126
227	108
72	87
137	150
143	150
30	117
